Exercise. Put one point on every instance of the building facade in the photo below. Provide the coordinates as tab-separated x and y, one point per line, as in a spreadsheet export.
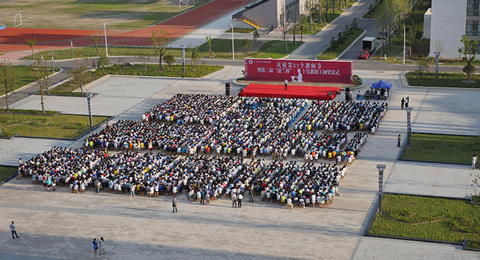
450	20
271	13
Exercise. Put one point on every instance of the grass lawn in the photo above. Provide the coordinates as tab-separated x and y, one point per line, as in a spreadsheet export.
338	47
241	30
91	14
450	220
24	77
68	87
59	126
275	50
222	49
168	71
442	148
452	80
6	172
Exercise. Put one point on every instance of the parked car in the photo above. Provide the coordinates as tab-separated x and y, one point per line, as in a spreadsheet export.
364	55
381	35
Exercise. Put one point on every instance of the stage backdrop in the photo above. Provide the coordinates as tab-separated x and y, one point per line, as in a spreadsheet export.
299	70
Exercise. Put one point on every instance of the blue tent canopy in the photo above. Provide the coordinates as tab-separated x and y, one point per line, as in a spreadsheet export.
382	84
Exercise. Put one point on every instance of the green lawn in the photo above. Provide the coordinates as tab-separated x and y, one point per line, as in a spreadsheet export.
452	80
450	220
6	172
338	47
68	87
24	77
87	14
59	126
153	70
221	47
241	30
275	50
442	148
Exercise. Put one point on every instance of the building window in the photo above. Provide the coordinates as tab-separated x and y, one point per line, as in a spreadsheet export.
473	7
472	28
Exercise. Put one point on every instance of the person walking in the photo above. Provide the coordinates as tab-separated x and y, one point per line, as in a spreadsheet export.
402	103
474	161
101	246
14	232
285	82
174	204
399	140
407	100
95	246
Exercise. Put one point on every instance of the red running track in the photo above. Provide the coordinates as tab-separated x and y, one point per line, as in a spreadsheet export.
12	39
293	91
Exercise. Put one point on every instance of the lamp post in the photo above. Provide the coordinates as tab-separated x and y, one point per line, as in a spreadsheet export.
383	40
106	44
437	56
183	57
301	33
71	47
409	125
89	97
404	32
381	168
233	44
53	69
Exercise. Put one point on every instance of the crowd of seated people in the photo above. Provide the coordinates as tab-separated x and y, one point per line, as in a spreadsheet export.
344	116
206	141
242	126
196	176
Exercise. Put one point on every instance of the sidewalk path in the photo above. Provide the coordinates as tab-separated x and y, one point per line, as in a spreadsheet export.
320	41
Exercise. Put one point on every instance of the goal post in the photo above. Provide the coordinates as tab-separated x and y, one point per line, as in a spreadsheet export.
6	18
185	3
17	20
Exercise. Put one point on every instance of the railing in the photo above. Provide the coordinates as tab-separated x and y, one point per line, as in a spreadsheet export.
251	22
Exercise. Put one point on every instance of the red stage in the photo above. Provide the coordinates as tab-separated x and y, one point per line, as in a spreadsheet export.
308	92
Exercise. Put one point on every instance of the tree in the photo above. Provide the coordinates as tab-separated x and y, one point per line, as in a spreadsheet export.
103	61
468	51
144	59
169	59
8	78
411	37
209	42
255	35
31	42
79	73
195	55
246	45
283	27
95	40
40	72
389	13
423	66
160	40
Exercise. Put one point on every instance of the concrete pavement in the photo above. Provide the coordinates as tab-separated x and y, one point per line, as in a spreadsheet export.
144	226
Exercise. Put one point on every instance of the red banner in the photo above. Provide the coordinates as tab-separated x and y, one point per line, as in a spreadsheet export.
299	70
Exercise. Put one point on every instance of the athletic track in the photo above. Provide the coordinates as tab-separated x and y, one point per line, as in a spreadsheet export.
12	39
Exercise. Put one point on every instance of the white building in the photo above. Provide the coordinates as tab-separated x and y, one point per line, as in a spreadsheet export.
450	20
270	13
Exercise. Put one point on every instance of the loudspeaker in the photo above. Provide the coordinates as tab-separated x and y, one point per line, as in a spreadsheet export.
348	96
227	89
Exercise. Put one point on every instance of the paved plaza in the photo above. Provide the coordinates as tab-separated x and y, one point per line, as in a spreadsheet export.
62	225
